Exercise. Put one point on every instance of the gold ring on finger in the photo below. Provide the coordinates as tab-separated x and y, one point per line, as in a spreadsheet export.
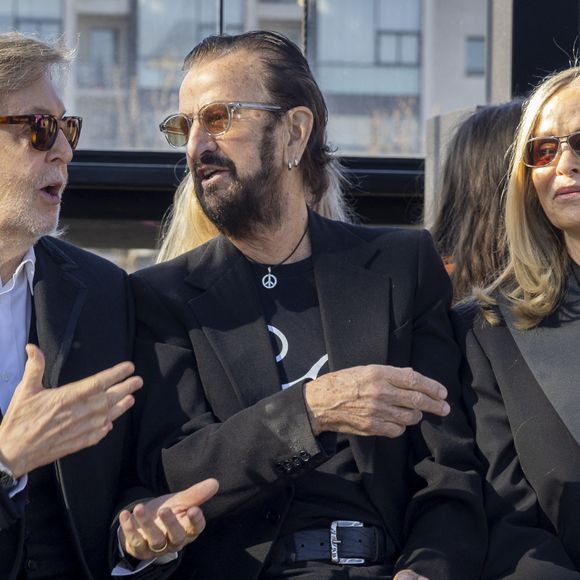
162	549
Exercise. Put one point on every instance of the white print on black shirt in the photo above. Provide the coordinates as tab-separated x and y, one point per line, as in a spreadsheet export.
314	369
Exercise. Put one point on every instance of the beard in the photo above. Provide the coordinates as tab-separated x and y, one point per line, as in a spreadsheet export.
21	214
250	204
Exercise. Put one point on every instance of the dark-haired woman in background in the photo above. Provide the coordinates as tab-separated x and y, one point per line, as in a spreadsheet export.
468	230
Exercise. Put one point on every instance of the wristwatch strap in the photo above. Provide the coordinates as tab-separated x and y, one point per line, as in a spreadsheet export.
7	479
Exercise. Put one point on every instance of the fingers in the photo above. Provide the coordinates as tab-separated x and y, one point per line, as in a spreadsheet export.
183	530
149	534
82	419
119	397
407	378
178	533
109	399
139	534
416	401
197	520
370	425
120	390
402	415
121	407
154	535
109	378
133	542
415	391
195	495
167	523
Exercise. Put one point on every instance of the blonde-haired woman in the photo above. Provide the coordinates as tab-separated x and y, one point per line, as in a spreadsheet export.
522	344
187	227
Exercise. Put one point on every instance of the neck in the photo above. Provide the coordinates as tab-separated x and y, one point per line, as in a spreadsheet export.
573	247
288	244
11	255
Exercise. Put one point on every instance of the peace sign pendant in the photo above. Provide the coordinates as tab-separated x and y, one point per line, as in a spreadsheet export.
269	281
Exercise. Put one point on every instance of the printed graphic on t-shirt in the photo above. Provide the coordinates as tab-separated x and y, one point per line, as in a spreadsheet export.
284	349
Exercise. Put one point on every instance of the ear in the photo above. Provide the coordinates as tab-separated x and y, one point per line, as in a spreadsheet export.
299	122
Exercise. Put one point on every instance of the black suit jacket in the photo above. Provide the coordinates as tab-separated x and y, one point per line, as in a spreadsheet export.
522	394
214	405
84	324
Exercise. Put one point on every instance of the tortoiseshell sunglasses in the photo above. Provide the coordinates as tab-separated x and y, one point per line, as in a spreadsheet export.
44	128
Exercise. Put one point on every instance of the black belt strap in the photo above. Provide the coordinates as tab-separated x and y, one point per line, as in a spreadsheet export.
361	543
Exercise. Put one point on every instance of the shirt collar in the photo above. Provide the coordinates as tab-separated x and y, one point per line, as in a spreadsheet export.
28	264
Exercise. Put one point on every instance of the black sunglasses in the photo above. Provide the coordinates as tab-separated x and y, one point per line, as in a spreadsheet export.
44	128
215	118
541	151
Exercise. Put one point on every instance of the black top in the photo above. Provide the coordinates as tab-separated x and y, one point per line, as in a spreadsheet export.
334	491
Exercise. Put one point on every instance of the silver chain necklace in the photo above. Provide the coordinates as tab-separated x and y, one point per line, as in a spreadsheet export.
269	280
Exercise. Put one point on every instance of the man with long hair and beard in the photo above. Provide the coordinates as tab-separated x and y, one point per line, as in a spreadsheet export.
308	364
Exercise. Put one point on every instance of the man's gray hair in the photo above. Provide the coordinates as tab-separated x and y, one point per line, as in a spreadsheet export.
24	60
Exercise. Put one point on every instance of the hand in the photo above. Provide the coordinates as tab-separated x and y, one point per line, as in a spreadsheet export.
43	425
409	575
372	400
167	523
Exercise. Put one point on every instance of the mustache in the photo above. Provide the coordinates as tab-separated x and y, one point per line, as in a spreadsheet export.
210	158
52	179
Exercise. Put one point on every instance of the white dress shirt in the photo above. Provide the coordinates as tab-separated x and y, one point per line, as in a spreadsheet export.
15	312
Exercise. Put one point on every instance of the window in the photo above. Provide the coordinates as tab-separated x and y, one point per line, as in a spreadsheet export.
385	66
99	69
398	48
367	62
42	18
475	55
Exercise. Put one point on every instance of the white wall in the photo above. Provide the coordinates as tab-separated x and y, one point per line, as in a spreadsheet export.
446	25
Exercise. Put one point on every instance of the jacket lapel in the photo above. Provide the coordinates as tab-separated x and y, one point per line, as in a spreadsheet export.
551	352
58	297
354	310
230	315
354	305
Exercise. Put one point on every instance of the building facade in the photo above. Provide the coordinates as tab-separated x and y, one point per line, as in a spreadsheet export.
385	66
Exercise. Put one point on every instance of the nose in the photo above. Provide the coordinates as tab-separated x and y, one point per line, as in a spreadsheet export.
61	150
199	141
567	162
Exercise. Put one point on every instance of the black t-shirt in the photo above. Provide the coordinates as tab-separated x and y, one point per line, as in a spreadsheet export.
333	491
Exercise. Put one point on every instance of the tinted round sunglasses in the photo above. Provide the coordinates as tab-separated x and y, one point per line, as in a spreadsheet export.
541	151
44	128
215	118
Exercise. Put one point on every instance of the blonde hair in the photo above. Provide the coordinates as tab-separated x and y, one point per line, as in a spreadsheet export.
23	60
186	226
533	280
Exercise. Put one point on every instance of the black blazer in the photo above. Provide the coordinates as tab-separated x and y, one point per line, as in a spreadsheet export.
84	323
214	407
522	394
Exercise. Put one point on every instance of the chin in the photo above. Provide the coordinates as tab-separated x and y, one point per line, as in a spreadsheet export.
46	229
